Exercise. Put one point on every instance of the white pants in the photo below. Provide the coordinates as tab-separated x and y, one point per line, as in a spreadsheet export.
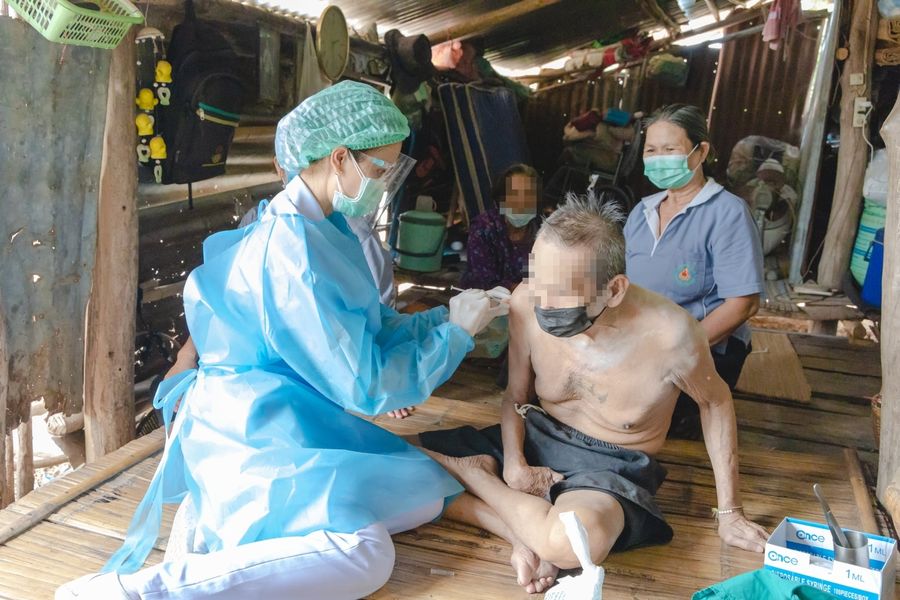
318	566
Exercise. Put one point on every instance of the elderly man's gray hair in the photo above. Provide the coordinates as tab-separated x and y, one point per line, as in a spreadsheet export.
583	221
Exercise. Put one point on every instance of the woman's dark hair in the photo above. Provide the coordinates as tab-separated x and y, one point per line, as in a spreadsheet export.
498	191
692	120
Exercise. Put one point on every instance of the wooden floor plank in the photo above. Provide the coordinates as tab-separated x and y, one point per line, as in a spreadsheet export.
842	385
785	448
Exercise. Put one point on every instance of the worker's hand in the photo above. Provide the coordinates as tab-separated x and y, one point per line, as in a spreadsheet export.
185	360
473	310
736	530
536	481
400	413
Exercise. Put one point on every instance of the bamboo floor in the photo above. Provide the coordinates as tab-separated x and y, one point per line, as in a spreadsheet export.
785	448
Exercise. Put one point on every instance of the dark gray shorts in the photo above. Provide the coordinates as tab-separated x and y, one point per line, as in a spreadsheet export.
632	477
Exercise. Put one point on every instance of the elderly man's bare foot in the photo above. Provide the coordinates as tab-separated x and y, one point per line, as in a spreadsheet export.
467	466
401	413
532	573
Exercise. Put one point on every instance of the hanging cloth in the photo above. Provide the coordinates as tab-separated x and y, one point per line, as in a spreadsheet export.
311	78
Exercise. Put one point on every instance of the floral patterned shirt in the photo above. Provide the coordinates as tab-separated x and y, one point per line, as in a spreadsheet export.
494	259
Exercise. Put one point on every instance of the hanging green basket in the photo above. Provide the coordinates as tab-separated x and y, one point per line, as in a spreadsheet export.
67	23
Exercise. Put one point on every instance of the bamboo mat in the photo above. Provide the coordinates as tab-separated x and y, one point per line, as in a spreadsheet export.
450	561
774	370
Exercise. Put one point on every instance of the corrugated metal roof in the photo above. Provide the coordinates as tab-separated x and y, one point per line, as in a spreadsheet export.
537	37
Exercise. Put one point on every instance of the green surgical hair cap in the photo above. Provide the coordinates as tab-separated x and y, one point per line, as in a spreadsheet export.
348	114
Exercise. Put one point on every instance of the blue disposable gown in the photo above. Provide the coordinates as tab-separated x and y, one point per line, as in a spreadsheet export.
291	335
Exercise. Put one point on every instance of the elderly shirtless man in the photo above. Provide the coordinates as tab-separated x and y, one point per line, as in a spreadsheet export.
595	368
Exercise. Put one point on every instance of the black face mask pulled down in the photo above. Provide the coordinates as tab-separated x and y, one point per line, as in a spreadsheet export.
563	322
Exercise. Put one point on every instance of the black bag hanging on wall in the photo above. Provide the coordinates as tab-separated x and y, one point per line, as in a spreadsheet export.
207	97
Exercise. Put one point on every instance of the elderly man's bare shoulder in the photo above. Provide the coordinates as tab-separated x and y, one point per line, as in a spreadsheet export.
673	326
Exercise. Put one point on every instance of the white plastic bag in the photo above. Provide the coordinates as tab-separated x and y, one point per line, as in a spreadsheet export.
889	9
875	185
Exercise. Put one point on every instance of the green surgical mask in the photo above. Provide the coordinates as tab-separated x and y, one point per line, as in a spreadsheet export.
670	171
366	201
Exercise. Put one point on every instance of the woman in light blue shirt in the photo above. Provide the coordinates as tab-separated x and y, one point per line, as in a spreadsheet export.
695	243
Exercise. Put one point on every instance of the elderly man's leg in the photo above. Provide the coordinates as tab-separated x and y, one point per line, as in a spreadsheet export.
532	573
535	521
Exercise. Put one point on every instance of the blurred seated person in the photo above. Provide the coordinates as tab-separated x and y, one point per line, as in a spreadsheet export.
500	239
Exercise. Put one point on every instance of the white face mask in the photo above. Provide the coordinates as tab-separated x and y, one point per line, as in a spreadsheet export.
517	220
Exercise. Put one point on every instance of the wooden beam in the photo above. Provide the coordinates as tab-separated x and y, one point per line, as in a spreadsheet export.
5	484
488	20
860	491
652	10
9	469
889	456
24	457
853	154
109	339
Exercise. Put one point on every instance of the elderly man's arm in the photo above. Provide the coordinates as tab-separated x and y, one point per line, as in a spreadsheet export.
697	377
520	390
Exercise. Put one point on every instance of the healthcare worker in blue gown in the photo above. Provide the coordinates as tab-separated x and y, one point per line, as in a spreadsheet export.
285	493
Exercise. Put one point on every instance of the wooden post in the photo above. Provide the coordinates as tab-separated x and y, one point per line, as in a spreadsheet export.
488	20
5	483
889	456
853	155
109	336
9	468
24	457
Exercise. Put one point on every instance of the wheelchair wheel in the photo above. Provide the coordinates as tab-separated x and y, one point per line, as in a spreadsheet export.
612	194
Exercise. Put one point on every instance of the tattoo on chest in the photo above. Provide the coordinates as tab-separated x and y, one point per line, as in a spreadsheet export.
577	388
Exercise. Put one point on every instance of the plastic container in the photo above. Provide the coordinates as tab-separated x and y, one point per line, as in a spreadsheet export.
420	241
63	22
873	219
889	8
871	290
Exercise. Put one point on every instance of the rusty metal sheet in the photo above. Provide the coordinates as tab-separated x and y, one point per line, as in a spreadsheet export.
52	115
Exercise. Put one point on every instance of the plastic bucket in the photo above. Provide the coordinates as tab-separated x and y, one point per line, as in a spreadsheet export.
871	290
420	241
873	219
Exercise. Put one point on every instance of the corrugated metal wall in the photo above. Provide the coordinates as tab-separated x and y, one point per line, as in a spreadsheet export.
52	115
760	92
763	92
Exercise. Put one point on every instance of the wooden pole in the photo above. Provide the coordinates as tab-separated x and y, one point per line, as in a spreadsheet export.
24	459
488	20
109	336
9	469
5	483
853	155
889	457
